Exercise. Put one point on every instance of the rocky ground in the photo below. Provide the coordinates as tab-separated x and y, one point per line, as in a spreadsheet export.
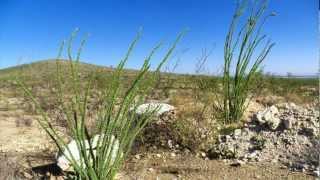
285	134
274	145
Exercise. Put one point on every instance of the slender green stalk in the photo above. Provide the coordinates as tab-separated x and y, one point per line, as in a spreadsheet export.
115	125
239	51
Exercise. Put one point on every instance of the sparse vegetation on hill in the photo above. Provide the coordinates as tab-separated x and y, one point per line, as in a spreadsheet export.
98	119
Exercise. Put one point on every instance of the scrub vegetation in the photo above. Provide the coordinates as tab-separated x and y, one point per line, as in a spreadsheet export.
115	117
95	107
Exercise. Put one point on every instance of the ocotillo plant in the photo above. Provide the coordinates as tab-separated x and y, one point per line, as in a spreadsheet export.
114	118
240	49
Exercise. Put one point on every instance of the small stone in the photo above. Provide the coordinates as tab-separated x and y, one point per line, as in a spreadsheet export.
317	172
150	169
158	155
187	151
170	144
273	123
27	175
137	156
274	160
257	176
237	132
293	106
173	154
203	154
253	155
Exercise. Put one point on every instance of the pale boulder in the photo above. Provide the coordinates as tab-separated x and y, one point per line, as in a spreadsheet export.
159	108
64	157
269	116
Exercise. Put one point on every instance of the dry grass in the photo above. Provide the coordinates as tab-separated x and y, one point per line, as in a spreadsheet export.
9	170
182	91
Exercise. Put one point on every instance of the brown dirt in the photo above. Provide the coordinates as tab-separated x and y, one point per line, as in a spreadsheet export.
29	147
190	167
182	166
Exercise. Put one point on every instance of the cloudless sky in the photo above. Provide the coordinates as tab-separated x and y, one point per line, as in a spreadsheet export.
32	30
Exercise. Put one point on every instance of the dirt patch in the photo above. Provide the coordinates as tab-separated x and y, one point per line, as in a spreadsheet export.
166	166
187	166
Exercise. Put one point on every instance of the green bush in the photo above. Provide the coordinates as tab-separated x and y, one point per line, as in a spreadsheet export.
240	47
114	117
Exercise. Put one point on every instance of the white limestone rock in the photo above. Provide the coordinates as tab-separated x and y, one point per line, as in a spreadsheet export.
269	116
149	107
64	157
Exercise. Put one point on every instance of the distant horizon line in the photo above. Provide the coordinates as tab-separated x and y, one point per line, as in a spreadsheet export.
288	74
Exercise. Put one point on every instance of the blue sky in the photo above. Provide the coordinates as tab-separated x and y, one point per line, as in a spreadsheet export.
32	30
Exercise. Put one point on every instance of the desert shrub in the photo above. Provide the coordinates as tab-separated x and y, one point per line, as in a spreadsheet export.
228	96
298	90
193	128
240	50
201	95
114	119
193	135
101	77
158	133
